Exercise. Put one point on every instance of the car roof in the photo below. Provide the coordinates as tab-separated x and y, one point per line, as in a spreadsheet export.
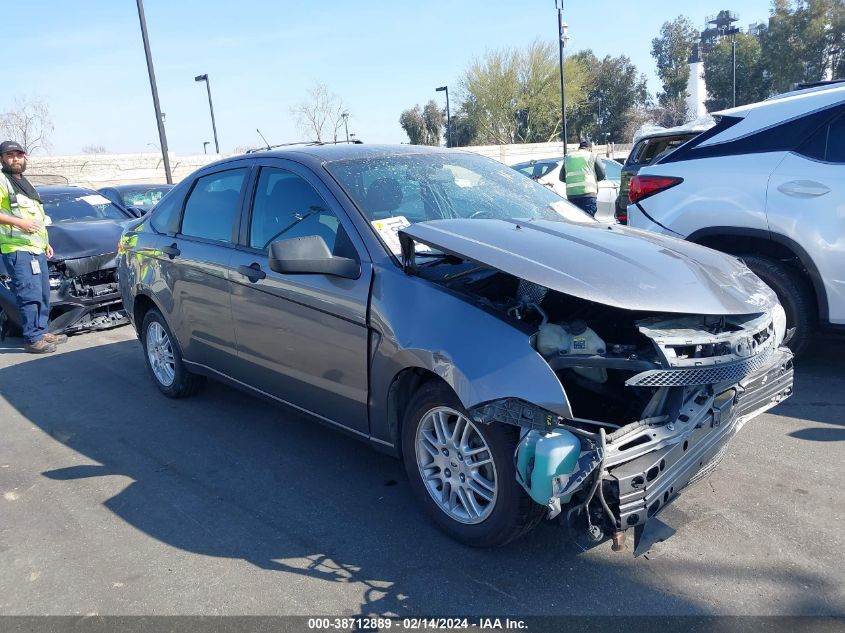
343	151
778	109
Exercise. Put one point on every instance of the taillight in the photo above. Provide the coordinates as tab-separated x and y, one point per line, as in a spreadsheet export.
645	186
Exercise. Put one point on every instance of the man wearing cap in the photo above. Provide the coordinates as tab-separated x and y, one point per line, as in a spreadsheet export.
25	247
582	171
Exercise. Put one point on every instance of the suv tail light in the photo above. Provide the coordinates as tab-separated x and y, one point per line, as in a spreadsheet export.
645	186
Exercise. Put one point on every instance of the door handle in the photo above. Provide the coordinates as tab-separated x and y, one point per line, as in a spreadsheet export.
803	189
171	251
253	271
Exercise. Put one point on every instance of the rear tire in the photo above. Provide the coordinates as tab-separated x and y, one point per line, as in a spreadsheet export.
164	358
794	295
479	505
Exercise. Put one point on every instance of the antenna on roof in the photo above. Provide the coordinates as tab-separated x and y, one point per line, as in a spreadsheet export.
262	138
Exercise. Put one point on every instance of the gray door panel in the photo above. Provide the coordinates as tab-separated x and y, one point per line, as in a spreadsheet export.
303	339
200	287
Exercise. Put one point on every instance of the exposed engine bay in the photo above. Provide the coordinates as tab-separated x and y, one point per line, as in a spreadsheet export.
654	397
84	296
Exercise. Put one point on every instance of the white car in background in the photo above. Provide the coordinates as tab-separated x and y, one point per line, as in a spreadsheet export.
766	184
547	172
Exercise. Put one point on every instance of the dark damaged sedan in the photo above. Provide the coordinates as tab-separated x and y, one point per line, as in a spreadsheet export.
84	232
524	360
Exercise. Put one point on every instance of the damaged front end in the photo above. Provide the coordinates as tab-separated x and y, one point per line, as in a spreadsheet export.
701	380
84	296
655	395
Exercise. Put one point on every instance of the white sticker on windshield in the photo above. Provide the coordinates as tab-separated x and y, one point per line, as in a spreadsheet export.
95	199
389	229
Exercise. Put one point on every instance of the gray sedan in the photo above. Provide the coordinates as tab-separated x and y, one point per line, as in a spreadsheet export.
525	361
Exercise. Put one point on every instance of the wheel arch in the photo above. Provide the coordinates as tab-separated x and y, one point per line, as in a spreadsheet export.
140	306
399	394
739	241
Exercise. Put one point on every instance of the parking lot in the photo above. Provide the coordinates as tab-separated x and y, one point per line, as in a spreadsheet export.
116	500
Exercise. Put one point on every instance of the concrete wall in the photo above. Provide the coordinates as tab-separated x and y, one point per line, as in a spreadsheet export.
102	170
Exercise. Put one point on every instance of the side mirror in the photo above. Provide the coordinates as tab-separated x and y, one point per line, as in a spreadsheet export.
309	256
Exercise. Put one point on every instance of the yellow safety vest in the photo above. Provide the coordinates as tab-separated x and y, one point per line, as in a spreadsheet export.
580	169
11	237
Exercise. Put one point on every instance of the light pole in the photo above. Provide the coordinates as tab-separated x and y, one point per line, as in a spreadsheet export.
345	116
732	32
211	108
563	39
162	137
448	115
205	145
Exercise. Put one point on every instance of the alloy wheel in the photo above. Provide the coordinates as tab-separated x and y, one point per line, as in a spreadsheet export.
456	465
160	354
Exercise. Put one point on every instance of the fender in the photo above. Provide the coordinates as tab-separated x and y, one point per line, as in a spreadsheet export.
788	243
511	368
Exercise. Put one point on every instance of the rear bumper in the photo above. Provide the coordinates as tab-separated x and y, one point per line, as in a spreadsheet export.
643	483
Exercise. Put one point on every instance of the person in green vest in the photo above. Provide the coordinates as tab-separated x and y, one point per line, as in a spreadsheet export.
25	248
582	171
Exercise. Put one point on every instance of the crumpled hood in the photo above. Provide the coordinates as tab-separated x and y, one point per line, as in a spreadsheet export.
72	240
612	265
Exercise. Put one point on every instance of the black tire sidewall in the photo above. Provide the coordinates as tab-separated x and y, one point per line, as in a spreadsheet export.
499	527
793	296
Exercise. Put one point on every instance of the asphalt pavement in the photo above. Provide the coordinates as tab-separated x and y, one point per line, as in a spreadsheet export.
115	500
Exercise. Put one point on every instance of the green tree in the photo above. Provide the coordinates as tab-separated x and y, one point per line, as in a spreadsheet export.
424	126
805	41
671	51
617	93
433	120
513	96
751	83
413	123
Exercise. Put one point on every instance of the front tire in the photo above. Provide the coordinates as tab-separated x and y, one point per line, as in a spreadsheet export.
463	472
164	358
794	295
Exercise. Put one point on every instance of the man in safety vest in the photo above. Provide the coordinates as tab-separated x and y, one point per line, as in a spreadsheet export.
582	171
25	247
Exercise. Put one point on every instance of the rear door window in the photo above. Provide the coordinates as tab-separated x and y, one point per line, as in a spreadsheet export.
212	206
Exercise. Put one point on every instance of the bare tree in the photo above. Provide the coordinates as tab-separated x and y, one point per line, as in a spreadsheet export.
28	122
94	149
320	116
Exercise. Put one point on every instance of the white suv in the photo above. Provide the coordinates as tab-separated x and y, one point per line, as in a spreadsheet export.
766	184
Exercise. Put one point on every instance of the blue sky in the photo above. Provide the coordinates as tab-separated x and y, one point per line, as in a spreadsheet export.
85	57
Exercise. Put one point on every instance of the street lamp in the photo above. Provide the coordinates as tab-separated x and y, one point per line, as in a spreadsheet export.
732	32
205	145
162	137
345	116
211	108
563	40
448	115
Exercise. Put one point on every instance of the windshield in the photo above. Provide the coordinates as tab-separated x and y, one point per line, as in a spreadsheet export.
396	191
68	207
144	198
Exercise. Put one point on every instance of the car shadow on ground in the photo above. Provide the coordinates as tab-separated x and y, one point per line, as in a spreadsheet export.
820	391
227	475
